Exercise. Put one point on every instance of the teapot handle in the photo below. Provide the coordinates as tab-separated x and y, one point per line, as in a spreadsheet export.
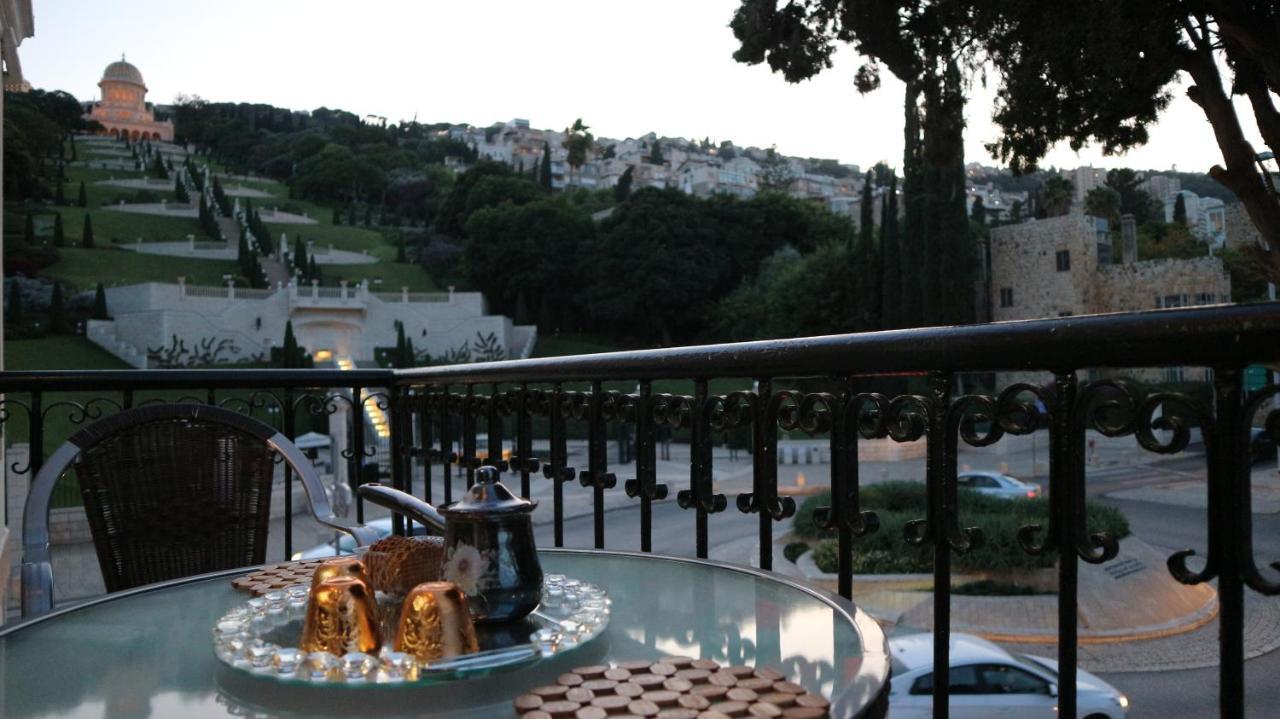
403	503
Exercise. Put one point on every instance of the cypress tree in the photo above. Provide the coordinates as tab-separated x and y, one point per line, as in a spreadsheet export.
865	255
351	215
100	304
86	238
337	217
83	198
544	168
409	353
29	231
59	197
313	270
622	190
401	256
910	237
57	312
13	308
400	361
59	238
890	261
1179	210
979	212
290	354
300	254
655	154
368	215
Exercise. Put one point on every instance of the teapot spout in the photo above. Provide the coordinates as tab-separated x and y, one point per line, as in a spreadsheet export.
403	503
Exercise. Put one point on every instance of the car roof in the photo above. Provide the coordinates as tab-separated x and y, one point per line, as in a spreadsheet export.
916	650
988	473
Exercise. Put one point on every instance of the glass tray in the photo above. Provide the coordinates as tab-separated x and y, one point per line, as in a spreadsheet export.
260	637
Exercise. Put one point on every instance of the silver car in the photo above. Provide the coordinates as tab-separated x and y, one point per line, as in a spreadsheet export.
998	485
987	681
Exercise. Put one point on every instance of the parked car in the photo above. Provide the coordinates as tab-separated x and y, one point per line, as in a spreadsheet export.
346	544
1261	447
998	485
988	681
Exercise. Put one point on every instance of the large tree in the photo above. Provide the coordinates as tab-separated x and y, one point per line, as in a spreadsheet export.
578	142
1093	72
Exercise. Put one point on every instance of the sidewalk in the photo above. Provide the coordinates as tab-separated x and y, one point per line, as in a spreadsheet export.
1190	490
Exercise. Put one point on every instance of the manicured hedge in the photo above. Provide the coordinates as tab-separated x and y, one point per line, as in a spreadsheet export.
898	502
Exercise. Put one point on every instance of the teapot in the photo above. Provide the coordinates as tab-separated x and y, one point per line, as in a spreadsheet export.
488	538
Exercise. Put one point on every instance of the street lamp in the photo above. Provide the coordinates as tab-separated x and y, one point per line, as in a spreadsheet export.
1268	172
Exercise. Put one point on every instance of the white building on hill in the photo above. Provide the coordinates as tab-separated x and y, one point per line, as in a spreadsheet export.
166	325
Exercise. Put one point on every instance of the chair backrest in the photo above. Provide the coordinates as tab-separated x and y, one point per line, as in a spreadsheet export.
170	491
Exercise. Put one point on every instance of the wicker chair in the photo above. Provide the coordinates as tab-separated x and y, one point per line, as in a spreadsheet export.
170	491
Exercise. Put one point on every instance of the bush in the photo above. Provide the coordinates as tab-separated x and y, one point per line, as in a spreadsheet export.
992	588
897	503
793	550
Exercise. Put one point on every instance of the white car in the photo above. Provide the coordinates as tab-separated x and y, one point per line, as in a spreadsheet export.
998	485
987	681
344	543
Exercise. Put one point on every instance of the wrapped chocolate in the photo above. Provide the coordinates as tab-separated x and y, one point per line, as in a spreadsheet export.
435	622
341	617
340	567
398	564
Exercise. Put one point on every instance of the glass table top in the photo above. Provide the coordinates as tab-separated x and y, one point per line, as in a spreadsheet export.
150	654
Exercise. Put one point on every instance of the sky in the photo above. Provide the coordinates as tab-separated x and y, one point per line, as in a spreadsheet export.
626	68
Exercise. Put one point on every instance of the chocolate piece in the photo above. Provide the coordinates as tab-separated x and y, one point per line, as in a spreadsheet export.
612	703
733	709
569	680
643	707
594	671
536	714
648	681
723	679
435	622
627	689
677	662
697	676
341	617
693	701
580	695
772	675
635	665
739	670
590	713
764	710
678	713
756	684
739	694
662	669
677	684
662	697
600	686
617	674
551	692
527	702
709	714
708	664
710	691
812	700
778	699
788	688
561	708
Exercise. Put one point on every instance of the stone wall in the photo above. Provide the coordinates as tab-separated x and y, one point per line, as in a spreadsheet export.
1123	288
1241	232
1024	260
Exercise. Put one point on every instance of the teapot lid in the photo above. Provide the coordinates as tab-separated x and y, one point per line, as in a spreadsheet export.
489	496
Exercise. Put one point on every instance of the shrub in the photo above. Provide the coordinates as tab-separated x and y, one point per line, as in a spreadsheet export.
992	588
897	503
793	550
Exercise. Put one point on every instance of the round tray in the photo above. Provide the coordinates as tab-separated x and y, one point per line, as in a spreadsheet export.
260	637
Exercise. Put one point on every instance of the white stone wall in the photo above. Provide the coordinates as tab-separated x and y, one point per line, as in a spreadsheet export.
350	323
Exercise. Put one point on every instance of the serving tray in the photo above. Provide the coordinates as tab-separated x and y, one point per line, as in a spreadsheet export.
260	637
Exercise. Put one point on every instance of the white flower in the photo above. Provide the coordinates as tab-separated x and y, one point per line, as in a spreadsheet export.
465	567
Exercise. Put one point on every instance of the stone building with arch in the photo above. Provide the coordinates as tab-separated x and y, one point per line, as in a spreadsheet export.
123	109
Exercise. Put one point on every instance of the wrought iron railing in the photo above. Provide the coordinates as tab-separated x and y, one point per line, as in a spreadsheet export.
901	385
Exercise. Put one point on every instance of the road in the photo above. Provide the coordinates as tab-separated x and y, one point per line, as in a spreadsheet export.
1187	693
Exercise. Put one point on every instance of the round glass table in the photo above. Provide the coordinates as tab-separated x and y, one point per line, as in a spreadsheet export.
149	653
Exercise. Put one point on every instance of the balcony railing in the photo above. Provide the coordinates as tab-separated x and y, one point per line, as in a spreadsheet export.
902	385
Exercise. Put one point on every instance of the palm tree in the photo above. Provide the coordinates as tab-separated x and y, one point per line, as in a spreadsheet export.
578	142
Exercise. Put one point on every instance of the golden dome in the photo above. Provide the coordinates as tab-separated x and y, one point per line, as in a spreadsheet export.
121	71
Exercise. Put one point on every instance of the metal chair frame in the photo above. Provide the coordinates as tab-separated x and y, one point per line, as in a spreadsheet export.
37	570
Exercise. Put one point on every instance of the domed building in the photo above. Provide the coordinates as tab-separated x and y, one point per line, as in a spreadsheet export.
123	109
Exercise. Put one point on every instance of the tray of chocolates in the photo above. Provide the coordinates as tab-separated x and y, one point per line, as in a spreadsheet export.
341	628
670	688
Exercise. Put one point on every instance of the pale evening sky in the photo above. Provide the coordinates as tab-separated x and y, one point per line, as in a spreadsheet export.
626	68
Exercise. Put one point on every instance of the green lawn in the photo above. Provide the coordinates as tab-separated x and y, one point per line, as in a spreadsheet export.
59	352
85	268
393	275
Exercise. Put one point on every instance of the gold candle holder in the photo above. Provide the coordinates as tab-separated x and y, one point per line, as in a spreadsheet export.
341	617
436	623
340	567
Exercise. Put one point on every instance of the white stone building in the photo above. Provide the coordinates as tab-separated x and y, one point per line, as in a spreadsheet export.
158	324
